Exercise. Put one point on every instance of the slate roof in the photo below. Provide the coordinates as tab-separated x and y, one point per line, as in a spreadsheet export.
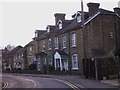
62	52
21	51
31	43
14	50
69	25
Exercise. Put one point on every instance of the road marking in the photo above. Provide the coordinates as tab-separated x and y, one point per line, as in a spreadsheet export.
69	84
5	85
32	82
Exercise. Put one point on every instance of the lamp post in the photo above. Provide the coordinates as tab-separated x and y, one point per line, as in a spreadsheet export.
84	39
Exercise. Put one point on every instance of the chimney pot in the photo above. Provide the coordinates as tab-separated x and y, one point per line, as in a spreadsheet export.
93	7
117	10
59	16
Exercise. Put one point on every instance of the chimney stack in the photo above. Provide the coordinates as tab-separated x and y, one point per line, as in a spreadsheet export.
93	8
59	16
117	10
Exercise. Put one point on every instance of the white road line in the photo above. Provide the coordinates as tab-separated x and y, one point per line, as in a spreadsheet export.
5	85
32	82
69	84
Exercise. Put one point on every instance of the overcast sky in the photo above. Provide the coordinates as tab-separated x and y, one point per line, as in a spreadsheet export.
20	18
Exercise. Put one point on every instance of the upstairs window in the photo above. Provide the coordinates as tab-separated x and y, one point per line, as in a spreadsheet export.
36	34
30	50
111	35
56	42
43	46
49	44
78	17
64	41
59	24
73	39
74	61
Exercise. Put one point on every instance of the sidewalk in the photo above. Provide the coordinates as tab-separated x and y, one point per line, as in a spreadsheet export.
82	82
113	82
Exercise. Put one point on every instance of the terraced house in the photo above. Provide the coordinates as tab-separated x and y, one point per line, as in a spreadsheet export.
61	45
90	48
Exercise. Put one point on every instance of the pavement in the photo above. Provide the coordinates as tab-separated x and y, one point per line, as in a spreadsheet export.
82	82
113	82
86	83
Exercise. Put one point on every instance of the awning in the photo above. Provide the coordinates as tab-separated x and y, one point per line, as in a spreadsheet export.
61	52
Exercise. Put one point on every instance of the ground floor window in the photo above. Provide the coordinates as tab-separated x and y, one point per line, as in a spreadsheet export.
74	61
50	61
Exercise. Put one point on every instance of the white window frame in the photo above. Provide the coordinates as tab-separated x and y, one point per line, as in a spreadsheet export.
59	24
49	44
64	41
75	67
56	42
78	18
30	49
36	33
111	35
43	46
73	39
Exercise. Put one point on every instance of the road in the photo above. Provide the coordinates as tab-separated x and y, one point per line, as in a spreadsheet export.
20	81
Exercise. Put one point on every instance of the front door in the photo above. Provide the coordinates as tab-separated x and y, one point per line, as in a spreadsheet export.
57	64
65	64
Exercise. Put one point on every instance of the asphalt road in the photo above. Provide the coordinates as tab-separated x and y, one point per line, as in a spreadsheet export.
18	81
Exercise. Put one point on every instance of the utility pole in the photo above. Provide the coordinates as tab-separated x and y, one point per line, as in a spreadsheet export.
84	39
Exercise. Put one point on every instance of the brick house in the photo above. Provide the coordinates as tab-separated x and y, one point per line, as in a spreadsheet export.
25	57
10	57
31	59
5	63
20	59
61	46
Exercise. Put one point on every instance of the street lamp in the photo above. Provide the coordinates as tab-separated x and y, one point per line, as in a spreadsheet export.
84	39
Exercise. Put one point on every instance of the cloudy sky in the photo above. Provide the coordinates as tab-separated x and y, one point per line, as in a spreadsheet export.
20	18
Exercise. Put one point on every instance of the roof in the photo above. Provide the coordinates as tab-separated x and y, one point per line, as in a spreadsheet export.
15	50
74	25
31	43
21	51
61	52
69	25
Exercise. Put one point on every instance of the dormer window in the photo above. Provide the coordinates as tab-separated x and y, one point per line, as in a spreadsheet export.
59	24
78	17
36	34
48	29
